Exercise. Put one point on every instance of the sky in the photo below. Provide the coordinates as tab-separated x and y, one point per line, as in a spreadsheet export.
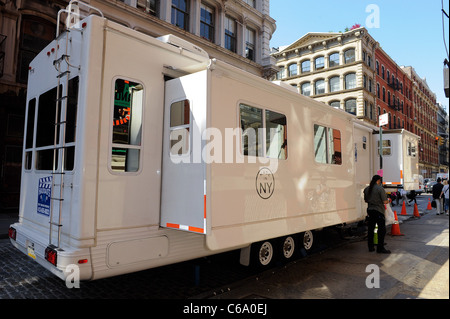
410	31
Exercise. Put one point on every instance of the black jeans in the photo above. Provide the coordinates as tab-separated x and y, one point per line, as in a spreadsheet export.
376	218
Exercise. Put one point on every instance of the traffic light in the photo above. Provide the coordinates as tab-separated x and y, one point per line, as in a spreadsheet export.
436	140
441	141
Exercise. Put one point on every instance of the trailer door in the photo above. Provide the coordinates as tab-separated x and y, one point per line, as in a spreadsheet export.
183	197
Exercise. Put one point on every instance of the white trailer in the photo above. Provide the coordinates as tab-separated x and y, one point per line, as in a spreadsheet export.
142	152
400	159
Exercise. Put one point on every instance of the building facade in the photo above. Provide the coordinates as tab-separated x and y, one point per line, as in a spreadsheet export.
393	90
235	31
352	72
337	69
424	123
442	124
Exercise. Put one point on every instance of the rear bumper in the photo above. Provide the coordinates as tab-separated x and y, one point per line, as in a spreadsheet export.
33	244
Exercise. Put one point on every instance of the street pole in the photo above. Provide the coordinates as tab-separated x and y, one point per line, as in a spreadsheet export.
382	120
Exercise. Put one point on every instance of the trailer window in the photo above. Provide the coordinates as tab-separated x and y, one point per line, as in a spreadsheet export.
327	145
251	125
29	134
387	149
127	126
276	135
180	113
254	126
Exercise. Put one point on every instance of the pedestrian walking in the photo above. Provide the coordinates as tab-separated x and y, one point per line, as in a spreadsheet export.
403	194
375	196
437	192
445	194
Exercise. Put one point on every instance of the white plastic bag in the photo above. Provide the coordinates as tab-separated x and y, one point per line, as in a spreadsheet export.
389	215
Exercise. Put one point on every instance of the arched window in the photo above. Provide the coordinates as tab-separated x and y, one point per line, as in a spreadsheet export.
319	63
335	104
306	89
349	56
319	87
350	81
350	106
292	69
333	60
306	66
334	84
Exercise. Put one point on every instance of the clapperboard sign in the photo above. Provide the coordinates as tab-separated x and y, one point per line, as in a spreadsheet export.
44	195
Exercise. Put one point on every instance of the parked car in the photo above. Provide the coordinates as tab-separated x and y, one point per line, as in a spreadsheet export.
429	186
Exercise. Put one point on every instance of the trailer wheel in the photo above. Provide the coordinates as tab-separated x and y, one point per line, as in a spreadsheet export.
263	253
307	240
288	247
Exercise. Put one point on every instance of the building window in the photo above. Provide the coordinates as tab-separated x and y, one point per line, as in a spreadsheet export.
335	104
319	87
230	34
327	145
350	81
292	69
382	71
250	44
349	56
350	106
127	126
180	14
384	94
334	83
377	67
334	60
36	34
306	89
251	3
319	63
378	90
281	73
306	66
150	6
207	22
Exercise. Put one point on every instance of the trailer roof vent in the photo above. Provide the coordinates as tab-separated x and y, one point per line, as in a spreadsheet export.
183	44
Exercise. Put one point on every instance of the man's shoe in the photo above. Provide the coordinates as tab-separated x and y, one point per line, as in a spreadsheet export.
383	251
371	249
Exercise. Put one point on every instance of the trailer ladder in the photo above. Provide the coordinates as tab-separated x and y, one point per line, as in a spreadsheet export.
63	68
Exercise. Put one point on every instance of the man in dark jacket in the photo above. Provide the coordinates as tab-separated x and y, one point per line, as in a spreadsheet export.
437	190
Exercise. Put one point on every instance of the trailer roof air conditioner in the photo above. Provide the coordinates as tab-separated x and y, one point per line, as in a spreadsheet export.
183	44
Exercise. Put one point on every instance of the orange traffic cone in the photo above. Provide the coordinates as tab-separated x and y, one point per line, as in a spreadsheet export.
395	228
416	211
403	209
429	205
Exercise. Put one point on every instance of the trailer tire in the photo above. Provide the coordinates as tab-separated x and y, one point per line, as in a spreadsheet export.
263	253
307	241
288	247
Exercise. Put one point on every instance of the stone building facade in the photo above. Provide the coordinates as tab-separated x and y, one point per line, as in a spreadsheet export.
337	69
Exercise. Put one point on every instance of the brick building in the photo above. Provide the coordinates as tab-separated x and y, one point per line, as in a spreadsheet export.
393	89
424	123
